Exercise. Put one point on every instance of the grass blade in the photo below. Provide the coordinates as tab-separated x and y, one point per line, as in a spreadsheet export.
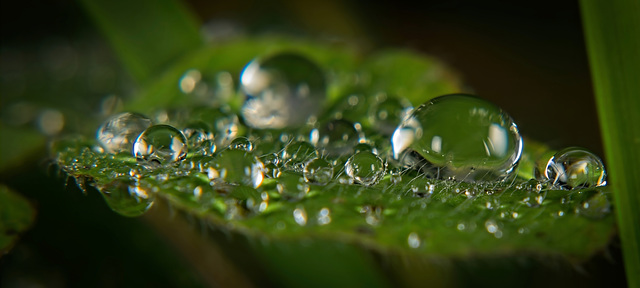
612	31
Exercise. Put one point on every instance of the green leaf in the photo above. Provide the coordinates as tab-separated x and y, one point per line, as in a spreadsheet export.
612	32
408	74
147	35
16	216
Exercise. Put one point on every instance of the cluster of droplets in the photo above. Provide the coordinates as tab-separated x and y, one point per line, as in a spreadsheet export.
281	135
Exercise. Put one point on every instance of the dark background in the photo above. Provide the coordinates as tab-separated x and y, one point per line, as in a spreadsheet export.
527	57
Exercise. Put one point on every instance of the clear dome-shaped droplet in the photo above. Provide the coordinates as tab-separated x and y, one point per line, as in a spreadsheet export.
237	166
365	168
318	171
197	132
127	199
118	133
292	186
459	137
241	143
160	145
224	124
297	154
386	114
283	90
575	167
335	138
596	207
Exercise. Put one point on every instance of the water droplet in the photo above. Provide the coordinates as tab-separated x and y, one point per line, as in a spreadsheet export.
300	216
282	91
206	148
238	167
292	186
118	133
318	171
160	145
189	80
365	147
324	216
335	138
493	228
241	143
388	112
395	175
196	133
459	136
373	214
127	199
271	165
297	154
50	122
224	123
365	168
413	240
575	167
596	207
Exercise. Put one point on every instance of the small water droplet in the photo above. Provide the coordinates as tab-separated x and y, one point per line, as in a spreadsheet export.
241	143
575	167
297	154
395	175
160	145
300	216
388	112
373	214
414	240
324	216
596	207
118	133
493	228
459	136
127	199
197	133
237	166
365	168
282	90
292	186
50	121
365	147
318	171
335	138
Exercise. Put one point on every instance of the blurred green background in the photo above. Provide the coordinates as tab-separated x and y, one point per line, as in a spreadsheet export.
529	58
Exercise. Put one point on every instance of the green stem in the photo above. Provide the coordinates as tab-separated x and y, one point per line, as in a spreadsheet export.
612	30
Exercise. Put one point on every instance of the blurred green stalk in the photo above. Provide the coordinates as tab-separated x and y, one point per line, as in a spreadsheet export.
612	30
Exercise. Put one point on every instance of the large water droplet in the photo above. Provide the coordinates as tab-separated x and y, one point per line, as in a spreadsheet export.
460	137
282	91
160	145
118	133
365	168
575	167
127	199
297	154
335	138
237	166
318	171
